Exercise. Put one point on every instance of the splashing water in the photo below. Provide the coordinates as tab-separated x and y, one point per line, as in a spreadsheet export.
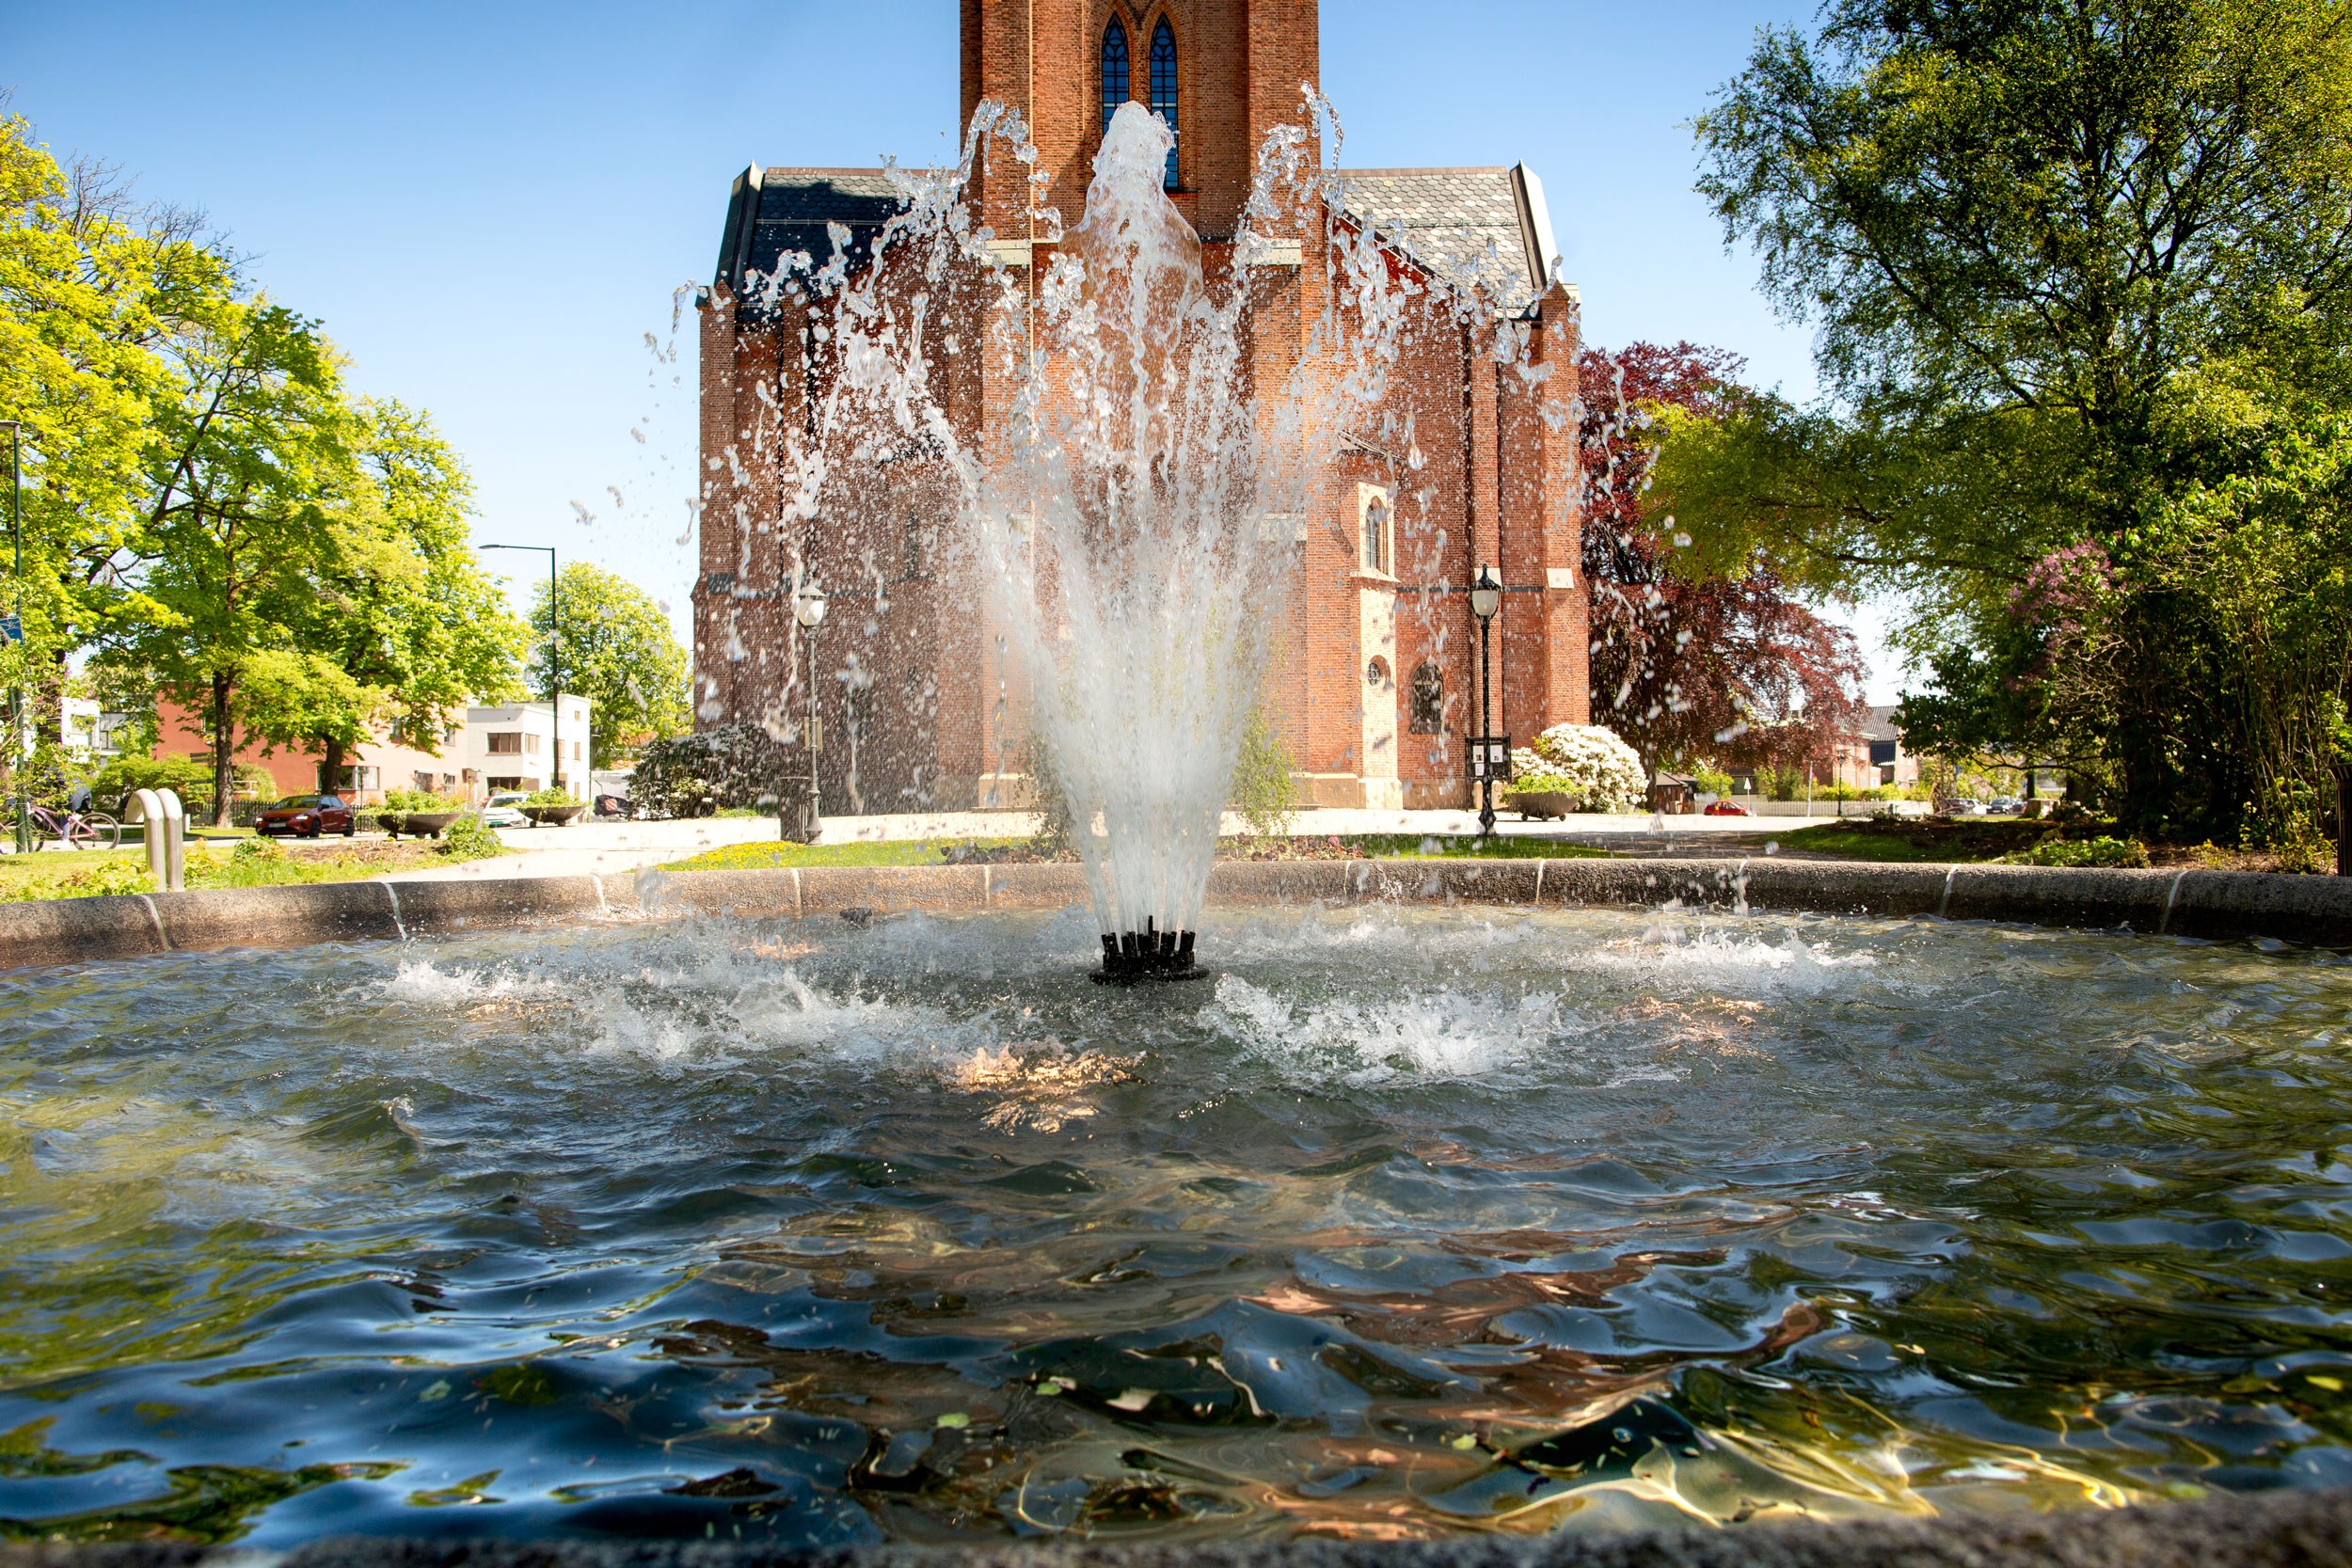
1137	513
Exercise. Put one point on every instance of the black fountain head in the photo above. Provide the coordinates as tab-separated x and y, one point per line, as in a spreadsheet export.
1134	957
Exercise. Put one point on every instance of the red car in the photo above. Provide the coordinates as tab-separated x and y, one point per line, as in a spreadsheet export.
309	815
1723	807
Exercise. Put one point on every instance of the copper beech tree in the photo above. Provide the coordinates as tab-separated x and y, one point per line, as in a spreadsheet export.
1693	668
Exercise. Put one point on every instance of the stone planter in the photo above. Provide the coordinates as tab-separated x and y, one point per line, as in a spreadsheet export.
419	824
1535	805
553	816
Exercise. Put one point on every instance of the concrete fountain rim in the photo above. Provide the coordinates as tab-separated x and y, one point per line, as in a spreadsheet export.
2312	911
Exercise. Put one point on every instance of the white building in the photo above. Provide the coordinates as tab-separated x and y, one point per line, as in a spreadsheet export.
521	746
84	730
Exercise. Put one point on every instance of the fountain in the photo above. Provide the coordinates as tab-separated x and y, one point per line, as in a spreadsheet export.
1136	525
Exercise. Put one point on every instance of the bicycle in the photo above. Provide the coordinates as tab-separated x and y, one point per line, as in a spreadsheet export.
74	830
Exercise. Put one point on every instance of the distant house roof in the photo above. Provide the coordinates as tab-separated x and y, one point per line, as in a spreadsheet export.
1473	227
1878	725
775	212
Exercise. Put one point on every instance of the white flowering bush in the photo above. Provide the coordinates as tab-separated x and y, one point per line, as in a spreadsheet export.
1585	761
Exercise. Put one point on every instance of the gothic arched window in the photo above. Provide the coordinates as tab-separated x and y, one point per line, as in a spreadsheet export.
1115	90
1428	699
1164	86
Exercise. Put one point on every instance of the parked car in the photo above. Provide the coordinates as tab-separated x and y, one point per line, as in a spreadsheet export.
2005	805
1968	808
506	811
1725	806
613	808
309	815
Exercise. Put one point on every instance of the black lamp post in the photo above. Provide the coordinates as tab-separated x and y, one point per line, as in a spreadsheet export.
555	652
1485	597
808	608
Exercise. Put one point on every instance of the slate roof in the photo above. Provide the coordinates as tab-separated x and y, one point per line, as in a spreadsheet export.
777	211
1467	226
1463	223
1879	723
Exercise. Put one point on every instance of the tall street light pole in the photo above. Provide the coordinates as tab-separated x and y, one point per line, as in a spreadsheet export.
555	651
16	691
1485	597
808	608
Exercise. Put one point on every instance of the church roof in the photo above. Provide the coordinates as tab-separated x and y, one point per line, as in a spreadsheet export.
775	212
1468	226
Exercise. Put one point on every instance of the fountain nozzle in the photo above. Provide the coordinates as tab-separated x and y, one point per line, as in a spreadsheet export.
1150	954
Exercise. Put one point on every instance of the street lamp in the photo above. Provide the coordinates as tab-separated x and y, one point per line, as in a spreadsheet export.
1485	597
808	608
555	652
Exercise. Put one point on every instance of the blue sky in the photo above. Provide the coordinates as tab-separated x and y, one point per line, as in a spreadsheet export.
491	205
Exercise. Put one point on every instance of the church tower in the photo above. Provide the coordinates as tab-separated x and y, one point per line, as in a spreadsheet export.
1221	72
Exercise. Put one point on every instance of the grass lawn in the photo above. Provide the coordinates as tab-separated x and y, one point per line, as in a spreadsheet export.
82	874
1916	841
944	851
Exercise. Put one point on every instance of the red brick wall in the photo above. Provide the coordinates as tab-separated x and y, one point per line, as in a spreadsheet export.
1494	481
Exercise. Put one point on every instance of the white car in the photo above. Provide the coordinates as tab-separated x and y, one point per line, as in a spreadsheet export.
506	811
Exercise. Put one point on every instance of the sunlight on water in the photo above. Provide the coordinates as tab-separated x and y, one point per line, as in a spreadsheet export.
1412	1222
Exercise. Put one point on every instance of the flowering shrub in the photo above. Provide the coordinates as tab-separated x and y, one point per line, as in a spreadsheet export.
1585	761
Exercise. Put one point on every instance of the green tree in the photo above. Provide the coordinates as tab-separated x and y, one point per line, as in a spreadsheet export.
251	462
2040	243
615	647
405	627
91	285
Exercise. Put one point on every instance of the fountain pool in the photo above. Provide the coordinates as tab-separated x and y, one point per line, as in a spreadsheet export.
1411	1221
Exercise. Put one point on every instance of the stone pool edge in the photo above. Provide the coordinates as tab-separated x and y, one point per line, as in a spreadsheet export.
2267	1529
2306	910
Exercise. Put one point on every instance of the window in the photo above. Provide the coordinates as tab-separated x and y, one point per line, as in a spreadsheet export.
1115	89
1428	699
1378	535
354	776
575	750
530	744
500	782
1376	673
1164	86
506	743
1883	752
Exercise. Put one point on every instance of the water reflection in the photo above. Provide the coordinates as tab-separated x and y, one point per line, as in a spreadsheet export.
1411	1223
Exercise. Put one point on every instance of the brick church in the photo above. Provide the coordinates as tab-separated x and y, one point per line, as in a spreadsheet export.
1375	680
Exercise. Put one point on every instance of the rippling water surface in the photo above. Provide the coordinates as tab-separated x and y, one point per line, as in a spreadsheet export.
1406	1223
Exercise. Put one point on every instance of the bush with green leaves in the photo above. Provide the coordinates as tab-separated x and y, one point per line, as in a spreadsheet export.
420	799
689	775
555	795
1264	791
2100	852
1708	782
468	838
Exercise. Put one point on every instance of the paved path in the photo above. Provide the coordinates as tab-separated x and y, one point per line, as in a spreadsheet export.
615	847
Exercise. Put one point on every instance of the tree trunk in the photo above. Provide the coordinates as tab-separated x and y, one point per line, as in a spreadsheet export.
331	765
2344	819
224	751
